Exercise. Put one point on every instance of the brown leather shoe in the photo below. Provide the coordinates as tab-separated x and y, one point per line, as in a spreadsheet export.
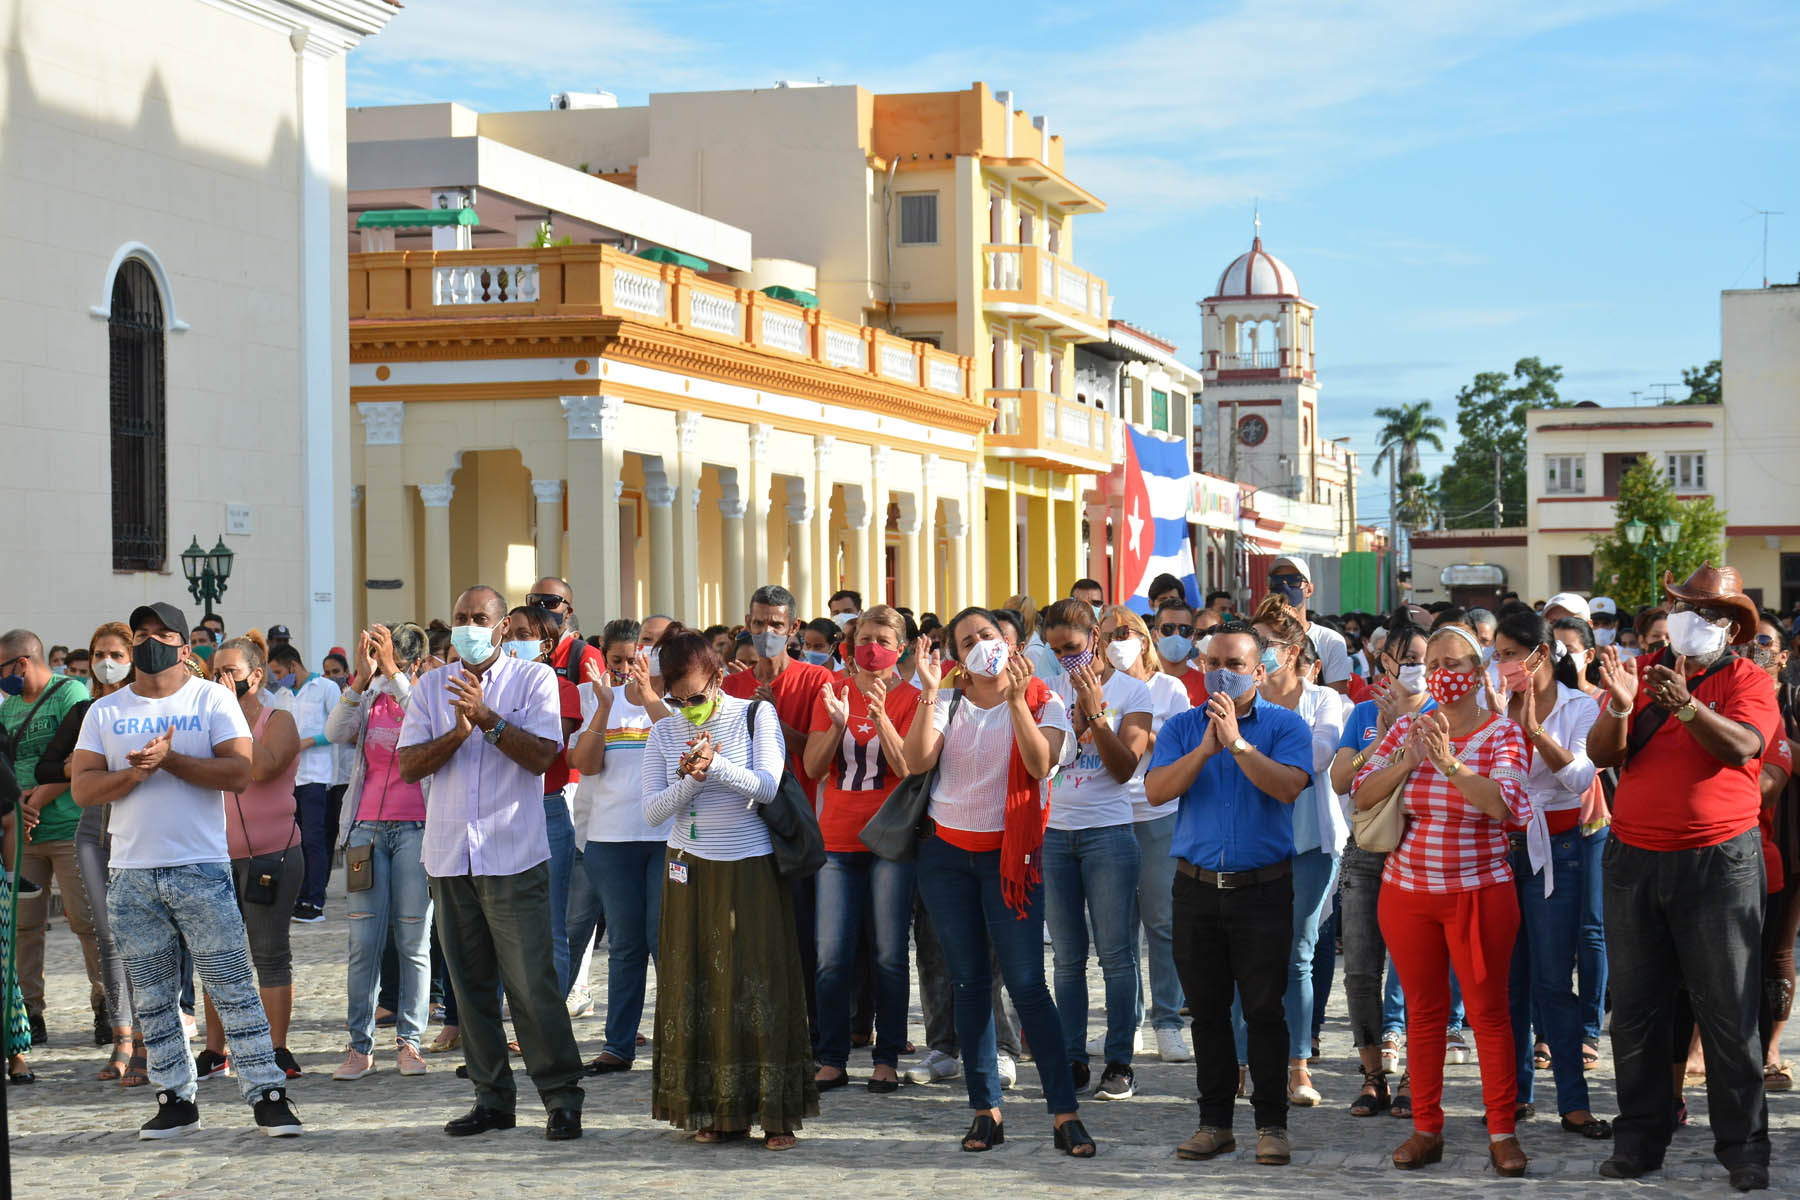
1418	1150
1508	1157
1208	1142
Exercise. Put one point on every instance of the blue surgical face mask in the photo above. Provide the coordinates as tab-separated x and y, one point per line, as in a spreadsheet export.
286	681
526	648
1099	612
769	644
1174	648
1227	683
1271	659
817	658
474	643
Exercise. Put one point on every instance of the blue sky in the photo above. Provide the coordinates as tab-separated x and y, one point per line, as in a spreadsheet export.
1456	184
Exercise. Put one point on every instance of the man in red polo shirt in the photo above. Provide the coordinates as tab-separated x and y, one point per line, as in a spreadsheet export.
1688	727
785	682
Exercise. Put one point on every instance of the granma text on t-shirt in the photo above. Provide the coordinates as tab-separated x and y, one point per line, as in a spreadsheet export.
181	723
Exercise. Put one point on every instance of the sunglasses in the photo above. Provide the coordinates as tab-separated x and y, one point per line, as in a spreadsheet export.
687	701
1767	639
1171	629
1285	580
549	600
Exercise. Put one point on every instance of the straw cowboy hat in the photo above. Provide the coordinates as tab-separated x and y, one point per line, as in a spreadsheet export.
1717	587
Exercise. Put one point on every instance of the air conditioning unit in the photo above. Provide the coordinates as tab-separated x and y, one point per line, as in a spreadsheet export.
583	100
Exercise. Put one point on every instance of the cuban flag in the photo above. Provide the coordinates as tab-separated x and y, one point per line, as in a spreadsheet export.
1155	538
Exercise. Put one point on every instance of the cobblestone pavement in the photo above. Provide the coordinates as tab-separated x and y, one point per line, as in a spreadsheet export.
382	1136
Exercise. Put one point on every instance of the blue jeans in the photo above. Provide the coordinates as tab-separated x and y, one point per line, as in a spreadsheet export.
1590	951
1092	874
586	918
961	889
1314	873
1543	970
399	898
851	884
311	800
628	877
150	909
562	857
1155	895
1393	1005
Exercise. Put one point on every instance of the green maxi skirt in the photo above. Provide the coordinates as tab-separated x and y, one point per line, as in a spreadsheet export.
732	1048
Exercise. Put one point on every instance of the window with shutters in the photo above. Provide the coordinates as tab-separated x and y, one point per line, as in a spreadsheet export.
1687	471
1159	410
139	487
919	219
1565	474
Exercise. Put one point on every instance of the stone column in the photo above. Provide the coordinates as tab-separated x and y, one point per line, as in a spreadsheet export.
359	600
824	547
687	520
800	564
879	461
594	461
756	513
436	599
387	515
856	549
659	493
928	536
956	588
549	496
911	575
732	591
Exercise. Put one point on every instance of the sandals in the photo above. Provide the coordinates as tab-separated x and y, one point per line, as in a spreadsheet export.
447	1039
1590	1055
1540	1057
1401	1106
984	1134
118	1064
1073	1140
1421	1149
714	1137
1368	1104
1778	1077
1593	1128
137	1072
779	1141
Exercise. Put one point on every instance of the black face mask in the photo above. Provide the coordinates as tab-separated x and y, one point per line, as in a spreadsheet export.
152	657
242	686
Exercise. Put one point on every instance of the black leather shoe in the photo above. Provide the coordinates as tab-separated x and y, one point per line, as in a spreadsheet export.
1622	1166
1750	1177
564	1125
481	1119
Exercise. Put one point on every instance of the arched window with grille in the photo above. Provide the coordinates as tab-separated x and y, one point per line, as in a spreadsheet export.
140	512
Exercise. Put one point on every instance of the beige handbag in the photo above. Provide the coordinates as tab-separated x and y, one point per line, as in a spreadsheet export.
1379	828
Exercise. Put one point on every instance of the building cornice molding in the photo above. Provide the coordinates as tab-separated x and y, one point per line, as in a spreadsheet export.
330	27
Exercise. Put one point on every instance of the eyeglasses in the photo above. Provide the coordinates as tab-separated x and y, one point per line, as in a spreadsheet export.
9	662
1171	629
1123	632
549	600
1766	639
687	701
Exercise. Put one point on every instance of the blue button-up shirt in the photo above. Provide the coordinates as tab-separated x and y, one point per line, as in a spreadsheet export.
1225	822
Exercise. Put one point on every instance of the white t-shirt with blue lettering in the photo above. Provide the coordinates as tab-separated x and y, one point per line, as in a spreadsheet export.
164	822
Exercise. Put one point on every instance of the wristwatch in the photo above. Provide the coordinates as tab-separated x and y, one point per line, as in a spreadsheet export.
492	736
1687	712
1239	747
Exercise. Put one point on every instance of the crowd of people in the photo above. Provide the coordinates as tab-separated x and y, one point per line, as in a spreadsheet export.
1511	831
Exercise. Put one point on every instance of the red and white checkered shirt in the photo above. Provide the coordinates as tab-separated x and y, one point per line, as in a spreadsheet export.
1450	845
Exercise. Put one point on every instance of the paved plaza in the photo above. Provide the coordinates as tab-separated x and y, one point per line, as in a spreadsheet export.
382	1136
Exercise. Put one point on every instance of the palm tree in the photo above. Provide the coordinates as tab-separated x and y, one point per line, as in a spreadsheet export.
1408	427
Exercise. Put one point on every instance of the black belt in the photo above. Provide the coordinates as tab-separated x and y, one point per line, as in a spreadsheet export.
1225	881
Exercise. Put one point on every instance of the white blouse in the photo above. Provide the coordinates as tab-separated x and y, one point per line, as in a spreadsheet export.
970	792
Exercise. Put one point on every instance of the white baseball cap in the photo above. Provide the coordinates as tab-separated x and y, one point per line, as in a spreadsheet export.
1603	604
1571	603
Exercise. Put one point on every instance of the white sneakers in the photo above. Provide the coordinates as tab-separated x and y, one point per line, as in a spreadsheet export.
1096	1046
1172	1047
580	1002
935	1066
356	1066
1008	1070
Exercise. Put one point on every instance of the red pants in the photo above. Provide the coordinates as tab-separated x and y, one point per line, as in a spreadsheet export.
1428	933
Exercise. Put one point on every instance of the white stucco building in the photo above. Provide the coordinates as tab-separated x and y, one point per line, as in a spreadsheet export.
171	183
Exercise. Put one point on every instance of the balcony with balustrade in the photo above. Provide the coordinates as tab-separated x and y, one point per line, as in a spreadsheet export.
1038	429
525	293
1034	285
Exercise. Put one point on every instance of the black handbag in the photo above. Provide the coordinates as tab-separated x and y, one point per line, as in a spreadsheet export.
901	823
263	878
794	832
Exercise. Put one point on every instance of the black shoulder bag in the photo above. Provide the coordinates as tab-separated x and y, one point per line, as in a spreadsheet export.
901	823
793	826
1652	717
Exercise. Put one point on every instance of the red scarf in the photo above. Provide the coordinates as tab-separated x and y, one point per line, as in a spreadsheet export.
1026	817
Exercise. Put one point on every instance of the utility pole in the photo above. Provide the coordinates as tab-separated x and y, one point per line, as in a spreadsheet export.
1499	504
1393	526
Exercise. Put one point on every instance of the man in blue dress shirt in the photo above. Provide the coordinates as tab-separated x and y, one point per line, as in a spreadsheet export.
1236	765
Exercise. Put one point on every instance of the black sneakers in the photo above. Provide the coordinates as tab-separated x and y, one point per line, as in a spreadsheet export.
174	1117
284	1058
275	1113
208	1065
308	914
1118	1083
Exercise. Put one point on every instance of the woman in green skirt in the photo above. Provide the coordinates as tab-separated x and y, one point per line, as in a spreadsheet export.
732	1048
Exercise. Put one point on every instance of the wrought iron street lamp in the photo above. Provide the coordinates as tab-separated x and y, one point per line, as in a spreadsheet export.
1661	536
206	572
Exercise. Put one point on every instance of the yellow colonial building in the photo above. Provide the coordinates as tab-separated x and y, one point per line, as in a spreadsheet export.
936	230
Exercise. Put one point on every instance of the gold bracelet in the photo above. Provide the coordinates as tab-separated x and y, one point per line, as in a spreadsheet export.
1356	763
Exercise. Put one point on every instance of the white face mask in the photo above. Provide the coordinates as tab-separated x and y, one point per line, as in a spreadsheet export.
844	619
1123	654
1580	660
1693	636
987	658
110	671
1604	637
1204	644
1411	678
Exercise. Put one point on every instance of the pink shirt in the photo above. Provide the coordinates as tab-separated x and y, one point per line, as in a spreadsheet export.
260	819
386	796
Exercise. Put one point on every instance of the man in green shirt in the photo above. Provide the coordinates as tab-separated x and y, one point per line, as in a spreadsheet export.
35	705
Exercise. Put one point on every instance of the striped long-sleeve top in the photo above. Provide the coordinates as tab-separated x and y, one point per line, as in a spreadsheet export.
716	818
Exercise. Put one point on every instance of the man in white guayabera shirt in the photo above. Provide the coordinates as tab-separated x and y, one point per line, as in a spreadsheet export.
485	729
163	751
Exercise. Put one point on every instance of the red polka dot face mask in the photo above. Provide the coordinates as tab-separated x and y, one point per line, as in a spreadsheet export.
1447	687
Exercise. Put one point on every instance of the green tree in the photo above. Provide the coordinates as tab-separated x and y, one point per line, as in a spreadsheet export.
1490	417
1702	384
1632	574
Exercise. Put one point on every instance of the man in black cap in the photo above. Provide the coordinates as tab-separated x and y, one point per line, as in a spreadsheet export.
278	636
162	752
